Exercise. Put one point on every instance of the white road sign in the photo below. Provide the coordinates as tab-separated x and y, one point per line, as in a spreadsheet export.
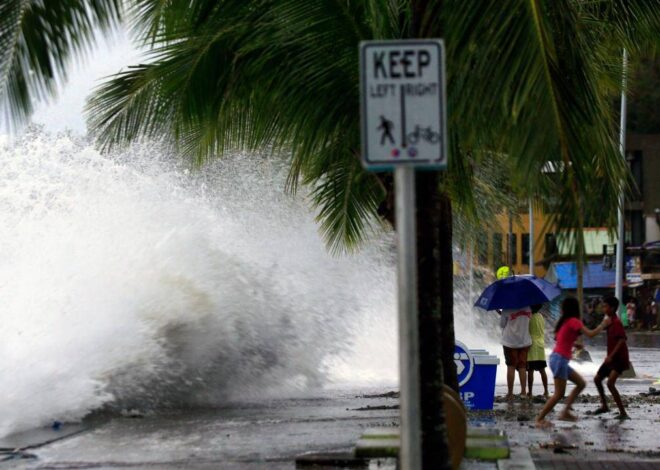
402	88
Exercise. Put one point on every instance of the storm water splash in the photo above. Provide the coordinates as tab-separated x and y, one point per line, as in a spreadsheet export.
131	281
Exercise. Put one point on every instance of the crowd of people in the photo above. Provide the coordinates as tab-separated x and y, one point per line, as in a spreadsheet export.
642	312
523	341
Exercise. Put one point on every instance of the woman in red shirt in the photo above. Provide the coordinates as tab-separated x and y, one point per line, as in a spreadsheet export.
568	328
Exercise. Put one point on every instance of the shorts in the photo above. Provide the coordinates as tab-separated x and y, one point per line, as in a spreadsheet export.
515	357
536	365
605	369
559	366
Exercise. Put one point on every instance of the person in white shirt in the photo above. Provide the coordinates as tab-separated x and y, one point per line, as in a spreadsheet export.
516	341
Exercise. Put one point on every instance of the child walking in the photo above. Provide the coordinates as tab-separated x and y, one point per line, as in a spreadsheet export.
617	359
567	331
536	355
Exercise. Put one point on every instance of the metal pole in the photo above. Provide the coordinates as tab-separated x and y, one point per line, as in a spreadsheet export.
409	400
618	289
531	237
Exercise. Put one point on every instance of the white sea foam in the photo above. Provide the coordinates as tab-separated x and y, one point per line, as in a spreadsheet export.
129	280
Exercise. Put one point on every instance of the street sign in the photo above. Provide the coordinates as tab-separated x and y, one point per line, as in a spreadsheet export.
402	89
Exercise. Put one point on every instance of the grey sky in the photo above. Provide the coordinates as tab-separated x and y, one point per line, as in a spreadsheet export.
66	110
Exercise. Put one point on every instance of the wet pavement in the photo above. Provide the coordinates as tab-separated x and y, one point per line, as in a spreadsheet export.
271	434
265	435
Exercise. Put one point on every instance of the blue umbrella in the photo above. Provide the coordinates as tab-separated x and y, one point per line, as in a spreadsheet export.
517	292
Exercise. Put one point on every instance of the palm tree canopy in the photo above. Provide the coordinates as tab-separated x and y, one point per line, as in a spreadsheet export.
37	40
529	79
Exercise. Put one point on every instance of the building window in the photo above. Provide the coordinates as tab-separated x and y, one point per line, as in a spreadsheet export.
525	248
512	249
497	250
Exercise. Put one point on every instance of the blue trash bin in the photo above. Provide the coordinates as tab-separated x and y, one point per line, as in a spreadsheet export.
476	370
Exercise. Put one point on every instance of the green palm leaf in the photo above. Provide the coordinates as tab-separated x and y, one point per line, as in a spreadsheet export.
530	80
251	78
37	40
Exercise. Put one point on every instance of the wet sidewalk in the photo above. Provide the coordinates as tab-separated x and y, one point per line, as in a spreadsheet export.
270	435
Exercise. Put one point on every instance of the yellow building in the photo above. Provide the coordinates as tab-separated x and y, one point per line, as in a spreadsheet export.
497	249
515	251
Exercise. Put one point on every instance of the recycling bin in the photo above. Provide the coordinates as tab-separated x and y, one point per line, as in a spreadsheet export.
476	370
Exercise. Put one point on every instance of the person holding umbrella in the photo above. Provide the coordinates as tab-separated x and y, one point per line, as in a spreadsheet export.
513	295
516	341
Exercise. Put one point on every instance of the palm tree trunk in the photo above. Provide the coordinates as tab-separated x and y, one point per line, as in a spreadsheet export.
435	300
435	289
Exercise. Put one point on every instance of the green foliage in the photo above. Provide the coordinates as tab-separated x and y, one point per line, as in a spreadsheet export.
280	74
529	85
37	40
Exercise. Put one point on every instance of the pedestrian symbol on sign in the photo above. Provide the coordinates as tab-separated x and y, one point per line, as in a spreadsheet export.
386	126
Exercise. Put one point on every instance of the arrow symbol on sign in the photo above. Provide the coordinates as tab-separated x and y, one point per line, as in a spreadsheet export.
458	360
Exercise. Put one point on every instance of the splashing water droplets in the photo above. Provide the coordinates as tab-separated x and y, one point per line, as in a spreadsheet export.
128	280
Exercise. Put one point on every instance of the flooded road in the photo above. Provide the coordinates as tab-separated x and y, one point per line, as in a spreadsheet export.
270	434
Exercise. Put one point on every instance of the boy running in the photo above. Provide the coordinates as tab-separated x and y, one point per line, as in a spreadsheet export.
617	359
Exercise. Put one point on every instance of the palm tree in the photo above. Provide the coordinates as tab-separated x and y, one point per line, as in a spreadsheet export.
528	80
37	41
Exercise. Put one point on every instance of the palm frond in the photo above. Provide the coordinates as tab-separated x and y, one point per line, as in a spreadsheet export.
533	71
528	79
348	199
280	74
38	38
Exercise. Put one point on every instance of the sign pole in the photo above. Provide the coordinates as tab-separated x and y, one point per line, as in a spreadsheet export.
409	400
404	128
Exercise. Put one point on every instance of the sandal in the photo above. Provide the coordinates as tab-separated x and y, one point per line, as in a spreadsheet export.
599	411
622	417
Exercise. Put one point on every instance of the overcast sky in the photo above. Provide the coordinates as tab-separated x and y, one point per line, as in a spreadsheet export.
66	111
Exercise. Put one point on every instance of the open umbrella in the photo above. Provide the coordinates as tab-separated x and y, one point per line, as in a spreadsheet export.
517	292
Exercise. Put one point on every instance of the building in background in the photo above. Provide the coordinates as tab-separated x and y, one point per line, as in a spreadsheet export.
643	208
510	245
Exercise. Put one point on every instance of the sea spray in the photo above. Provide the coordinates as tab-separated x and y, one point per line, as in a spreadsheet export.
131	281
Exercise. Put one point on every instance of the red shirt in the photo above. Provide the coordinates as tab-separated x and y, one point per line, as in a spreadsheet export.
566	337
615	332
